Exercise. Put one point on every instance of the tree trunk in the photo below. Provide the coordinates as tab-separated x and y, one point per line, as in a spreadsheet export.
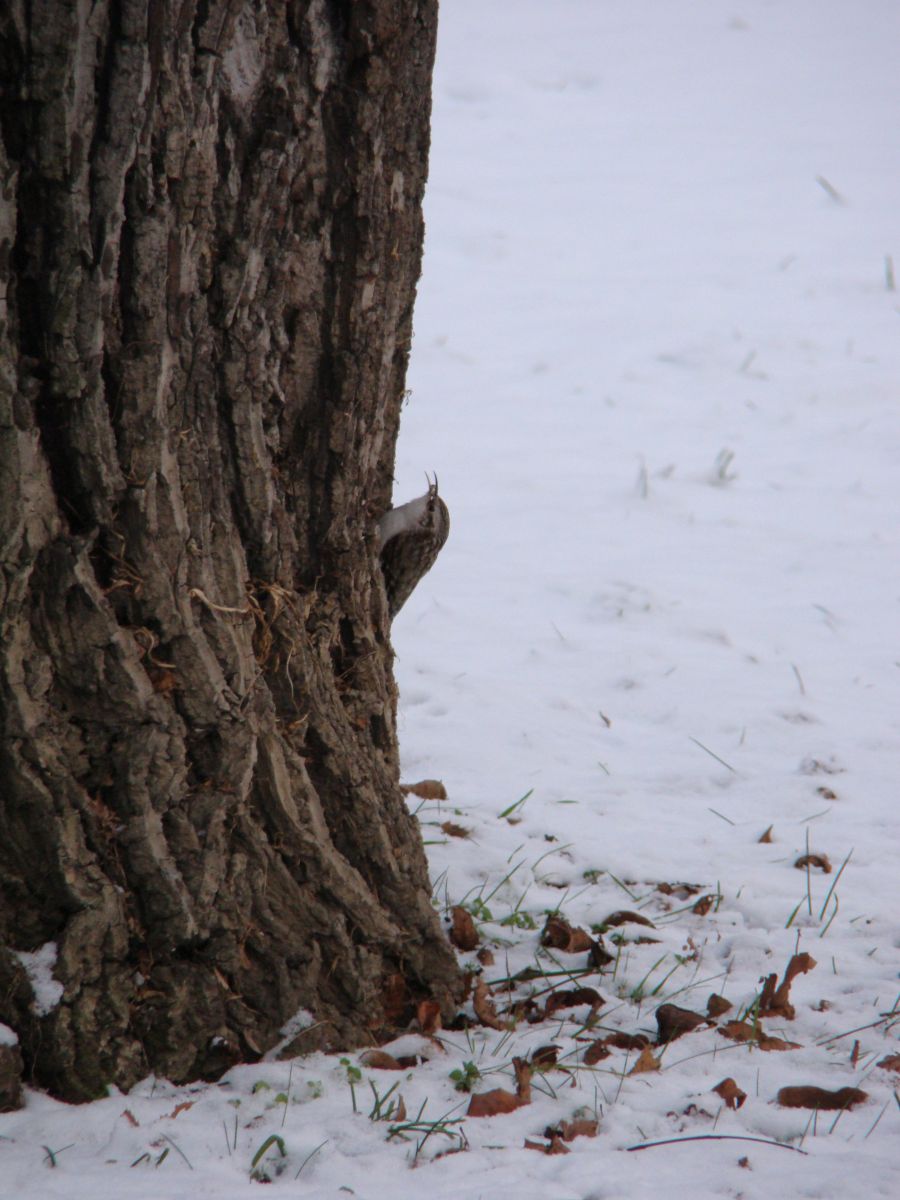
210	235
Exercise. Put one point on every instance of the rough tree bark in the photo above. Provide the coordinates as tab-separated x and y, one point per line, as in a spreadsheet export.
210	235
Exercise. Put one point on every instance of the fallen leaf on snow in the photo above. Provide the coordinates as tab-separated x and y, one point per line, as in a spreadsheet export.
775	1001
766	837
484	1007
596	1052
425	789
743	1031
572	998
733	1096
891	1063
555	1146
130	1118
645	1062
493	1103
485	957
717	1006
703	905
380	1060
621	917
428	1013
627	1041
545	1056
463	933
560	935
453	830
807	1096
673	1022
814	860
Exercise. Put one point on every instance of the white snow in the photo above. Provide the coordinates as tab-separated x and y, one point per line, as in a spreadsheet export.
655	369
39	966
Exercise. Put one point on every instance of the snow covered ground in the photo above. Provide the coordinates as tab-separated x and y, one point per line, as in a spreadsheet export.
656	370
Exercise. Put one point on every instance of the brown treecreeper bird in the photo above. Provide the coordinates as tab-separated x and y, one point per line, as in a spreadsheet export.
409	540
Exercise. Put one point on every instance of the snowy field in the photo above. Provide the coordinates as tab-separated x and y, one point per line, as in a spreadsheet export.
657	371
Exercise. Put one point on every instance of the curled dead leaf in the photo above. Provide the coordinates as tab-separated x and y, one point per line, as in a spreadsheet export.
523	1070
428	1013
596	1052
598	955
733	1096
425	789
807	1096
743	1031
775	1001
463	933
766	837
560	935
572	998
680	890
621	917
645	1062
485	957
554	1146
545	1056
814	860
484	1007
891	1063
703	905
717	1006
379	1060
453	830
493	1103
673	1022
627	1041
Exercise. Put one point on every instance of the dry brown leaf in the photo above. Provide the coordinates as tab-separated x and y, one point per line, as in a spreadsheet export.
484	1007
814	860
627	1041
766	837
681	890
673	1022
775	1001
523	1071
743	1031
733	1096
545	1056
493	1103
572	998
598	955
596	1052
645	1062
827	793
425	789
380	1060
463	933
891	1063
807	1096
773	1043
180	1108
745	1163
394	998
428	1013
555	1146
621	917
130	1118
453	830
718	1006
560	935
569	1130
703	905
485	957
